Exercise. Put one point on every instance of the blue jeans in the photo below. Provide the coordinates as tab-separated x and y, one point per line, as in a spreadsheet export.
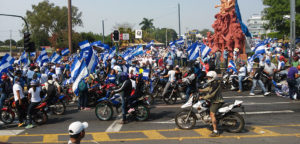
184	62
188	92
83	99
2	98
292	87
124	107
260	84
240	83
179	61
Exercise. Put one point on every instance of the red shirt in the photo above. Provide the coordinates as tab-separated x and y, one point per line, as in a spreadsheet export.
160	62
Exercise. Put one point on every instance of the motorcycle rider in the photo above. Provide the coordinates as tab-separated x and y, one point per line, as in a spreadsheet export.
35	99
126	89
214	94
7	88
242	74
190	79
51	87
172	78
20	100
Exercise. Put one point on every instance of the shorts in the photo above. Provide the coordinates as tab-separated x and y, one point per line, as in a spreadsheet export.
214	107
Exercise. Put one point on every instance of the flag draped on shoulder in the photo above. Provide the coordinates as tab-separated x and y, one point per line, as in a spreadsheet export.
65	52
82	73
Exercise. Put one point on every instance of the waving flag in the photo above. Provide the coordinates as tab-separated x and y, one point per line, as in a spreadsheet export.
260	49
180	41
92	62
32	54
23	58
43	57
138	51
112	52
55	58
82	73
171	43
75	67
96	43
239	17
194	51
146	73
6	63
151	43
232	66
84	45
65	52
205	50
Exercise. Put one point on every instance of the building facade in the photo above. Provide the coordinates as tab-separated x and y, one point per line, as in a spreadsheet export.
256	26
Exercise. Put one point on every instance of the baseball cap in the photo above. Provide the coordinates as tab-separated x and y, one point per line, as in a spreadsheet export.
77	127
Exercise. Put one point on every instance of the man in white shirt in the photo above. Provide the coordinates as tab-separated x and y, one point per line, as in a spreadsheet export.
19	100
242	74
269	70
172	78
179	54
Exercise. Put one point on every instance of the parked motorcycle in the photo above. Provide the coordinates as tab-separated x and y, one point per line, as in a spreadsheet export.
7	114
199	110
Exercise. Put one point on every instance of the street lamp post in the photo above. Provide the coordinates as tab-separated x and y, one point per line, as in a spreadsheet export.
103	31
292	30
70	25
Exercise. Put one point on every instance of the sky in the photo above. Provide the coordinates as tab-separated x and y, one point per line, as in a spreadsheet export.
195	14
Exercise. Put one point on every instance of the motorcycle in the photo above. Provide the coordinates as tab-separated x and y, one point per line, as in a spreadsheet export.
7	114
68	93
175	91
246	82
104	109
56	105
199	110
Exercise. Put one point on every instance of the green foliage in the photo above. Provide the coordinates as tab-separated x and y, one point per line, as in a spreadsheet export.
7	42
20	43
275	11
204	32
49	21
1	43
275	35
147	24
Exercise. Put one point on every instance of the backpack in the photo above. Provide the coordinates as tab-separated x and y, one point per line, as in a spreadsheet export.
51	90
82	86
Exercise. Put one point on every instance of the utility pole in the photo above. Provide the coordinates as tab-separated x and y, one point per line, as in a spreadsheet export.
292	29
103	31
179	20
10	42
70	25
166	37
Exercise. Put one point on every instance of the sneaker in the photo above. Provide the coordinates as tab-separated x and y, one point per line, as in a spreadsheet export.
252	94
29	126
214	134
123	122
131	110
21	124
266	93
239	91
87	108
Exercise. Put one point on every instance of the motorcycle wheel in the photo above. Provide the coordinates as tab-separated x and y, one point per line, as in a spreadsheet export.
104	111
7	117
233	122
170	99
59	108
182	120
142	113
40	117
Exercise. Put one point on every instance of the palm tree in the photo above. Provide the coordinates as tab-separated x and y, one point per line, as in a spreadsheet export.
147	24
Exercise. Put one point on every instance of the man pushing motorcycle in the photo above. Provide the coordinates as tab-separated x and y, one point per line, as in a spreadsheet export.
214	95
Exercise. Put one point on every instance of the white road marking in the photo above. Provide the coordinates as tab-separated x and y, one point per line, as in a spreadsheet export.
269	103
256	96
11	132
115	126
267	112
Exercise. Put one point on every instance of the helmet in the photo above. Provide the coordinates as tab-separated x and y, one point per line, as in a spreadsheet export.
33	83
4	76
281	58
212	75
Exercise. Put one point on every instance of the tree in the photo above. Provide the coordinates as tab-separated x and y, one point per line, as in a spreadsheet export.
204	32
275	11
47	20
7	42
20	43
147	24
1	43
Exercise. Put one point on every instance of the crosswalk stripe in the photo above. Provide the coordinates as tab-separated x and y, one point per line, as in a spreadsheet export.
267	112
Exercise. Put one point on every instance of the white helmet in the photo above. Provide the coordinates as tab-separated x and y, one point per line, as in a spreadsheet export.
211	74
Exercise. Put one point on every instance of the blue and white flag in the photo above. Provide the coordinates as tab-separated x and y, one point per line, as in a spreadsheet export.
171	43
96	43
232	66
43	57
112	52
23	58
260	49
81	74
146	73
85	45
55	58
92	63
6	63
180	41
151	43
239	17
205	50
32	54
194	51
74	68
138	51
65	52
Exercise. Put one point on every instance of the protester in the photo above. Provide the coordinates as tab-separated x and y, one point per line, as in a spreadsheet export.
77	132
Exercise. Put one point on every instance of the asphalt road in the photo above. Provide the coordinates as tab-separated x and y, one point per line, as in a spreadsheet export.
269	119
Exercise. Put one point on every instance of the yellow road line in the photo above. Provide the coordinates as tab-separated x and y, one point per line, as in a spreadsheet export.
50	138
203	132
262	131
153	135
101	136
4	138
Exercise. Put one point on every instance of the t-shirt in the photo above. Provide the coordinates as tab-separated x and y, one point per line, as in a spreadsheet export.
281	65
30	74
58	71
242	71
44	78
292	72
270	68
35	95
169	62
117	68
17	87
171	74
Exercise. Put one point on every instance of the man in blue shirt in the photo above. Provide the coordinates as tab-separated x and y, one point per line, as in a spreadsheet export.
291	79
225	56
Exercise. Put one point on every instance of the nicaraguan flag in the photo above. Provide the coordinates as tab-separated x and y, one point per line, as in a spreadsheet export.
74	68
96	43
82	73
180	41
146	73
239	17
232	66
151	43
139	51
55	58
171	43
84	45
32	54
112	52
194	51
92	63
43	57
65	52
260	49
6	63
23	58
205	50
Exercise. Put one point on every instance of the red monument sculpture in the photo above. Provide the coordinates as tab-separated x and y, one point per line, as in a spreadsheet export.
228	32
